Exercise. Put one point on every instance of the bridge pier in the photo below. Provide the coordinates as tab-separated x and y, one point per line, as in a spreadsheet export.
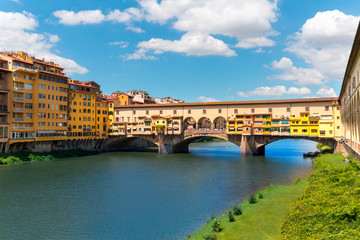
248	146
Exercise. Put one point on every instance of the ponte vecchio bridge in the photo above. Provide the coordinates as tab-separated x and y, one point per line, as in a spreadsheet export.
249	124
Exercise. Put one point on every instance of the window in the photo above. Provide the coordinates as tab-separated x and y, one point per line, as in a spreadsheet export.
204	111
304	130
42	124
314	130
288	109
161	112
28	96
235	111
28	105
175	112
219	111
327	108
270	110
253	110
28	86
338	127
42	96
42	105
307	109
42	86
28	115
295	130
147	112
134	112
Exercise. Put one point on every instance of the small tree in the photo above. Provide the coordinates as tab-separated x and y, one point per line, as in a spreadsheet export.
216	226
231	216
252	199
210	237
237	210
261	196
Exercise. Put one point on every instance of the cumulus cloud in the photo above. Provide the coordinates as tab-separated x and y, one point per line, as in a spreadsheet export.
82	17
127	16
120	44
326	92
17	33
324	43
207	99
195	44
249	22
276	91
302	76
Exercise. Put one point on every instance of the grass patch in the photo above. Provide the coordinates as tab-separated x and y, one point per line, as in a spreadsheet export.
330	206
262	220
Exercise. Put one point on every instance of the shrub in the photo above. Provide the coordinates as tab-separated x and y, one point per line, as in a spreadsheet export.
216	226
210	237
237	210
252	199
14	159
297	181
231	216
261	196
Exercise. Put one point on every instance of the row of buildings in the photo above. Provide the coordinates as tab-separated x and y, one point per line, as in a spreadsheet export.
38	102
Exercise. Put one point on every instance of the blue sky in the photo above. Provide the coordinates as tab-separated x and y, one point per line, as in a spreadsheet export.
195	50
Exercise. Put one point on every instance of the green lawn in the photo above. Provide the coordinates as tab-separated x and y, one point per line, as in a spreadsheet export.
262	220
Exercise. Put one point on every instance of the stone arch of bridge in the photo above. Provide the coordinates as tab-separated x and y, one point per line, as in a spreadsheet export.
190	124
123	143
204	123
219	123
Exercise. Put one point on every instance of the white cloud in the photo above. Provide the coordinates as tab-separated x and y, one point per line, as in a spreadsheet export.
302	76
326	92
82	17
276	91
206	99
17	1
120	44
96	16
249	22
323	42
17	33
195	44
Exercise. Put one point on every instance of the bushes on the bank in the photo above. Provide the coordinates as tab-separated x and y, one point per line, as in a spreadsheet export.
252	199
7	158
237	210
231	216
330	206
216	226
210	237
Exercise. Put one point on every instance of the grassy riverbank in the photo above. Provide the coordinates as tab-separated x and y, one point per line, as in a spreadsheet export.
262	220
11	158
325	206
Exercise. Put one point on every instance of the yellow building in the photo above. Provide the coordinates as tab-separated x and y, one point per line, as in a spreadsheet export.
102	118
82	106
38	93
5	78
299	126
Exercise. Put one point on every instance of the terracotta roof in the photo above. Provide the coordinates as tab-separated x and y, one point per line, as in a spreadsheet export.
302	100
46	63
352	60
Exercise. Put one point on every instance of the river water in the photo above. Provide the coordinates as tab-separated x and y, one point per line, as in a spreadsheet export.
139	195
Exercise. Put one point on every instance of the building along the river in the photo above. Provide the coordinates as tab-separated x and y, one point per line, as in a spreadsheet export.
38	99
350	98
5	77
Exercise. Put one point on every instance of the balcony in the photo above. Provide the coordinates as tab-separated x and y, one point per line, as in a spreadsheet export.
23	128
22	68
3	108
86	129
18	99
18	89
18	119
18	109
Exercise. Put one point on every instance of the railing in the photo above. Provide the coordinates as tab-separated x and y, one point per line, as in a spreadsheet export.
19	89
23	68
18	99
23	128
18	119
18	109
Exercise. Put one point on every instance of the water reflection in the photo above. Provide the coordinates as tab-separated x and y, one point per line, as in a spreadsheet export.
138	195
